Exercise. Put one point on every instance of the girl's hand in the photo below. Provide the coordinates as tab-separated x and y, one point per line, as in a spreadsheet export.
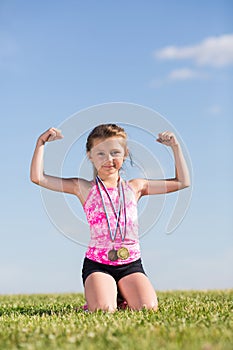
167	138
51	134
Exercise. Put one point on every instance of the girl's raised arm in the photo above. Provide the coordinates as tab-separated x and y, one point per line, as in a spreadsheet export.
37	174
181	180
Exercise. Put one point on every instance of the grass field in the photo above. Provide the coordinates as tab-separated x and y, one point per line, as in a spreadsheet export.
185	320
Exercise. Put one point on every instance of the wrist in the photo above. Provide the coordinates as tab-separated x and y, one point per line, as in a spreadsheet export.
175	146
40	142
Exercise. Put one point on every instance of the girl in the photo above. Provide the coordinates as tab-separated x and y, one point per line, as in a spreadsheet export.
112	266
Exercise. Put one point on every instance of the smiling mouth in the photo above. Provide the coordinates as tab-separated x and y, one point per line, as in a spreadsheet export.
108	166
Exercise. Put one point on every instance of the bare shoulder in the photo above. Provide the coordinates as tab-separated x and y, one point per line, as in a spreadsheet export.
82	188
138	186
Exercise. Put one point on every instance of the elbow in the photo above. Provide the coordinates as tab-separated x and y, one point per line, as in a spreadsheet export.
185	184
34	179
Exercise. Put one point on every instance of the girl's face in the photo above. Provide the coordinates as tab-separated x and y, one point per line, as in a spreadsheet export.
107	155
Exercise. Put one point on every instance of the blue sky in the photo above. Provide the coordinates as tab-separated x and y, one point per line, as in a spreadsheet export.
60	57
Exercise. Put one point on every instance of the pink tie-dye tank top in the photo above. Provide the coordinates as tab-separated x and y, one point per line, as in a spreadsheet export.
100	240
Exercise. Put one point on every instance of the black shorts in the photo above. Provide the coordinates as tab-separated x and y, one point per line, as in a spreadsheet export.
117	272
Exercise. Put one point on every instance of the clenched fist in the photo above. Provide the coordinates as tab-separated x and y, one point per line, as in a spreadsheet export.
167	138
51	134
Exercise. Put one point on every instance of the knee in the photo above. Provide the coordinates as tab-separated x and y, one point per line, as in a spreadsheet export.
102	307
153	305
150	306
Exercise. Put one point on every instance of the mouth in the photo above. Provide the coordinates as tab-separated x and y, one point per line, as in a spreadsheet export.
108	166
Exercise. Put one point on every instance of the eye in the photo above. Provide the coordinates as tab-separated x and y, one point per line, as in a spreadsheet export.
116	153
101	154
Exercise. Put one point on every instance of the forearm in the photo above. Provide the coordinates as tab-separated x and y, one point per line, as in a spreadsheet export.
37	174
37	163
181	168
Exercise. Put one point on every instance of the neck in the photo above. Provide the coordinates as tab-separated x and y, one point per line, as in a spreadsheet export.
110	180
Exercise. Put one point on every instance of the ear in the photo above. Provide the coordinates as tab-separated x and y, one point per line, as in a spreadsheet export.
126	153
89	155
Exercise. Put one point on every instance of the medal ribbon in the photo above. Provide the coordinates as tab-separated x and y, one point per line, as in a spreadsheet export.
117	214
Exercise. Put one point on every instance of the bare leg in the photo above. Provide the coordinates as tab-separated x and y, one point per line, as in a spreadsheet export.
101	292
138	291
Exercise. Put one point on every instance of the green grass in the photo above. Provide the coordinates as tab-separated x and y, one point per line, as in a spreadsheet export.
185	320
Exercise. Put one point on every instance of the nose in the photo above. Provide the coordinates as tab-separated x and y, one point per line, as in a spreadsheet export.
109	157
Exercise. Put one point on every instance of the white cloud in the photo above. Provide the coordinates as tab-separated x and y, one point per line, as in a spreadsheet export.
185	74
212	51
182	74
214	110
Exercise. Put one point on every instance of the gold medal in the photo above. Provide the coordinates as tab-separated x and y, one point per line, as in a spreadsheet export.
112	255
123	253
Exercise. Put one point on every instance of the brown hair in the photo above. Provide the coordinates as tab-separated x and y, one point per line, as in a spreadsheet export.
105	131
